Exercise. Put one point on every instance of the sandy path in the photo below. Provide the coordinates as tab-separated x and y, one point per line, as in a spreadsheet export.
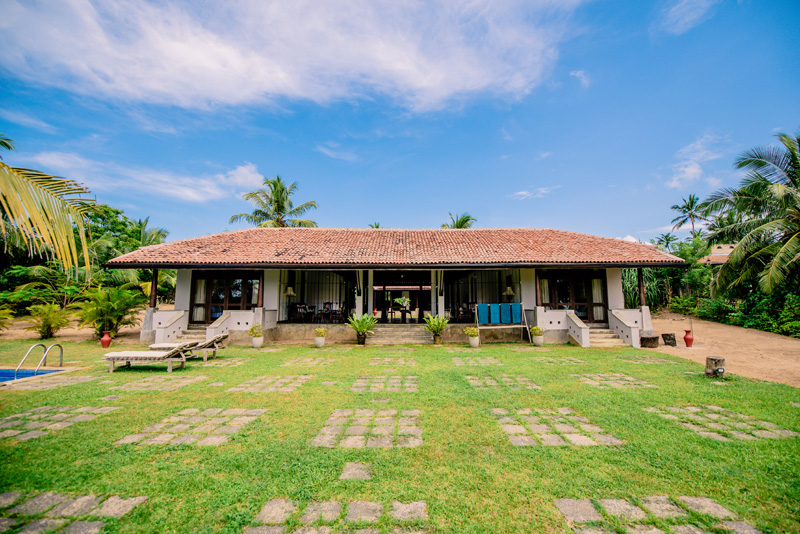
747	352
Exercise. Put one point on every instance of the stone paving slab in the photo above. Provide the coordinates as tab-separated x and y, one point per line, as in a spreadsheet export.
720	424
393	362
267	384
39	526
413	511
356	471
562	360
10	497
633	518
276	511
84	527
643	359
393	384
517	382
528	427
355	429
613	380
265	530
226	362
325	511
364	512
528	349
467	361
335	350
38	504
209	427
396	350
308	362
50	382
75	507
160	383
467	350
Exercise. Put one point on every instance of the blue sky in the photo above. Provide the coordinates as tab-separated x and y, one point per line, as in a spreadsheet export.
586	116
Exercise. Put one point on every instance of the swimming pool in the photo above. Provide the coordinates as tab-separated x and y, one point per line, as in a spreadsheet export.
7	375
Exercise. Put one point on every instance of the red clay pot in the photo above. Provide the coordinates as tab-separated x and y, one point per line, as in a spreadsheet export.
105	341
688	339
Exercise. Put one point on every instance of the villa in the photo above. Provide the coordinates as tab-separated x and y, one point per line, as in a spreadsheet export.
291	280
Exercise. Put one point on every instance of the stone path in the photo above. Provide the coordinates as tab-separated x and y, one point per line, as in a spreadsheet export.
60	510
160	383
394	362
355	429
719	424
526	427
226	362
643	359
509	381
196	426
645	509
265	384
795	404
528	349
50	382
562	360
468	350
356	471
41	421
476	361
394	383
324	515
336	350
396	350
307	362
613	380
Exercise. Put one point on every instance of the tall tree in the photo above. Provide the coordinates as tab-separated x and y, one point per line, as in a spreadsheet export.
375	225
460	221
274	207
42	209
148	236
767	220
667	240
690	211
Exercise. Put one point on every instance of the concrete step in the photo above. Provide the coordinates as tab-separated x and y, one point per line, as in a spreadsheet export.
399	334
610	335
608	343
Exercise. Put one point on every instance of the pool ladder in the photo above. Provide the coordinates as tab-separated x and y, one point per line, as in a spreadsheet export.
44	357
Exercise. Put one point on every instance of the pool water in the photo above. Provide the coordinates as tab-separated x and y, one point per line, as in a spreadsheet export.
7	375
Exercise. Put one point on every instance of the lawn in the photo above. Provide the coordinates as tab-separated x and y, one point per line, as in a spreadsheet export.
466	469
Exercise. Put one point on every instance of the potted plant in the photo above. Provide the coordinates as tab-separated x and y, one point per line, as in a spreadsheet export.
319	337
537	335
109	309
474	336
257	333
436	325
363	325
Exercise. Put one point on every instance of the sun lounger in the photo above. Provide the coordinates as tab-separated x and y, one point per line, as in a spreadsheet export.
212	345
176	354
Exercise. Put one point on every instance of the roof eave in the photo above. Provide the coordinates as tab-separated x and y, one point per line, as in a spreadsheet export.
405	266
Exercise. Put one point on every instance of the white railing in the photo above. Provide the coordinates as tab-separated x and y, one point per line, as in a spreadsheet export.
628	330
270	319
220	326
168	324
577	329
550	319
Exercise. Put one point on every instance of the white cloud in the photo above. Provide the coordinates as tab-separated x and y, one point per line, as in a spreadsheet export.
582	77
689	169
536	193
544	155
22	119
681	16
330	149
505	135
629	238
207	54
105	176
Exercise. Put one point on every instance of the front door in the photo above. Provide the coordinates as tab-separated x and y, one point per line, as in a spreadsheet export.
581	290
214	293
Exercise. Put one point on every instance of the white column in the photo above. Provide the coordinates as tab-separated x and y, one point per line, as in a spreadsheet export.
272	289
370	292
616	299
440	309
527	287
359	293
183	289
433	292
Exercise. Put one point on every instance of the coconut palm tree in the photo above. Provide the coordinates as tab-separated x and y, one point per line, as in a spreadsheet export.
667	240
148	236
274	207
375	225
460	221
690	211
41	210
767	228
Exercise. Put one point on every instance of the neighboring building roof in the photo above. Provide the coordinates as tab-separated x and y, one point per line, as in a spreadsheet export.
719	255
316	248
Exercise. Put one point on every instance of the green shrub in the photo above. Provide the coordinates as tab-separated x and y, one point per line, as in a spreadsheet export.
471	331
5	317
537	331
320	332
362	324
718	310
110	308
436	324
255	330
791	329
47	319
684	305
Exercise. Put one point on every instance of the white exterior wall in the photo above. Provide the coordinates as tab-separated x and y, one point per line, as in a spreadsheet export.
183	289
272	289
616	299
527	287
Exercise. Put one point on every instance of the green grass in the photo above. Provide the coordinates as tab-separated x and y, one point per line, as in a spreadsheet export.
472	478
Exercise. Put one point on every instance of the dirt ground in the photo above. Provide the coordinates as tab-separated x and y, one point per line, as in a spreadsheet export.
747	352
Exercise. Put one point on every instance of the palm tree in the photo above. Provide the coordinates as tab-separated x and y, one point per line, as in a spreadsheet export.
667	240
375	225
148	236
274	207
766	223
690	211
41	210
460	221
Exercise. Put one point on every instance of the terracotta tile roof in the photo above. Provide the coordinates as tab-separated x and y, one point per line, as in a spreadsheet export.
364	248
714	259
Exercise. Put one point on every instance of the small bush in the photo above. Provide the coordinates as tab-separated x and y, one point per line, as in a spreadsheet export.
471	331
684	305
47	319
436	324
320	332
255	330
715	310
537	331
110	308
5	317
362	324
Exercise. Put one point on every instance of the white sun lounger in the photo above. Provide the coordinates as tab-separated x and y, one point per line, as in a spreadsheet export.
212	345
176	354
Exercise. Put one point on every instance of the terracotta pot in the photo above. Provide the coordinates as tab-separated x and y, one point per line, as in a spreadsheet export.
105	341
688	339
319	341
474	342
